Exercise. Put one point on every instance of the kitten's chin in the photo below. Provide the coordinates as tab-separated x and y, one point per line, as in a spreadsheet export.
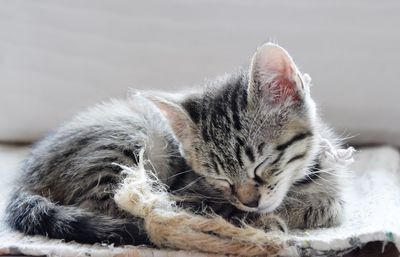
243	207
269	208
269	205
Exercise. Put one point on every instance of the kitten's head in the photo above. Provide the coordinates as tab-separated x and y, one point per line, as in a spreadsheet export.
252	134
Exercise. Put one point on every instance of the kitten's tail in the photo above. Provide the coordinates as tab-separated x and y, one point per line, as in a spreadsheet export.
36	215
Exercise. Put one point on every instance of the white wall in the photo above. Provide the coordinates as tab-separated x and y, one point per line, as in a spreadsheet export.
58	57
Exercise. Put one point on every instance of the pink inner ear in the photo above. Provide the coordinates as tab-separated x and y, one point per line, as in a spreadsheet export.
283	89
277	71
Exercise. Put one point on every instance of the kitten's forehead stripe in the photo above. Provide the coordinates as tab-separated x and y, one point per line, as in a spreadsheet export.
205	134
234	100
240	141
250	154
234	108
238	155
293	140
260	148
244	100
220	109
236	121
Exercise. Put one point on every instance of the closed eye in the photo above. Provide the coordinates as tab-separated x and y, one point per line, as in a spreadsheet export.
256	177
296	158
259	165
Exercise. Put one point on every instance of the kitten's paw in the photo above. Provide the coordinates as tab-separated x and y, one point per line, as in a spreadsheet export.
326	214
271	223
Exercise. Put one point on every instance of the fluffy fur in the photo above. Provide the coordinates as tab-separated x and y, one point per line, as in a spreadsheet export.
249	144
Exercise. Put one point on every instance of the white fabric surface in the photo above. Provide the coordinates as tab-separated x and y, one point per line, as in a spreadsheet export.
372	210
372	213
58	57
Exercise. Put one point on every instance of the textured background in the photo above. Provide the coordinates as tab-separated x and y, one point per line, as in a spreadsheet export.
58	57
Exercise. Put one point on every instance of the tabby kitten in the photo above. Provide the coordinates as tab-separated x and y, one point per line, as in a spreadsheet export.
249	144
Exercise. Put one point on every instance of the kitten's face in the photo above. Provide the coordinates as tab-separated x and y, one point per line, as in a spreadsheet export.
251	136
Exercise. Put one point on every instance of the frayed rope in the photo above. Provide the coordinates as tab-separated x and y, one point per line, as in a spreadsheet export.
142	195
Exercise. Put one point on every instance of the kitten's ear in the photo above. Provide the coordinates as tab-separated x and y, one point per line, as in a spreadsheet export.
274	76
179	120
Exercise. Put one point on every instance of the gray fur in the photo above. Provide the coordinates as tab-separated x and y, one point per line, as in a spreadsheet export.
204	146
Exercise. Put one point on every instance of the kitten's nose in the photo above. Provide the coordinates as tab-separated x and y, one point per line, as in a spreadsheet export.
254	203
248	194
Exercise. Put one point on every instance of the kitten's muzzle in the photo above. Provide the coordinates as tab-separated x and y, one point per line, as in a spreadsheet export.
248	194
243	207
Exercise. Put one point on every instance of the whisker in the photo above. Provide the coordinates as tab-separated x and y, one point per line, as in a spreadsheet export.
196	194
324	179
308	175
179	173
334	174
295	199
344	136
188	185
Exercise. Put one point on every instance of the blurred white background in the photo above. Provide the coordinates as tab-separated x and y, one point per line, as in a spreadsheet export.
59	57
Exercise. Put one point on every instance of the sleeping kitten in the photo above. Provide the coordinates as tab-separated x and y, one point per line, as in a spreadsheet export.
250	144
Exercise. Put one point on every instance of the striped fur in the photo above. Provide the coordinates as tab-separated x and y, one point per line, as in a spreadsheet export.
248	144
